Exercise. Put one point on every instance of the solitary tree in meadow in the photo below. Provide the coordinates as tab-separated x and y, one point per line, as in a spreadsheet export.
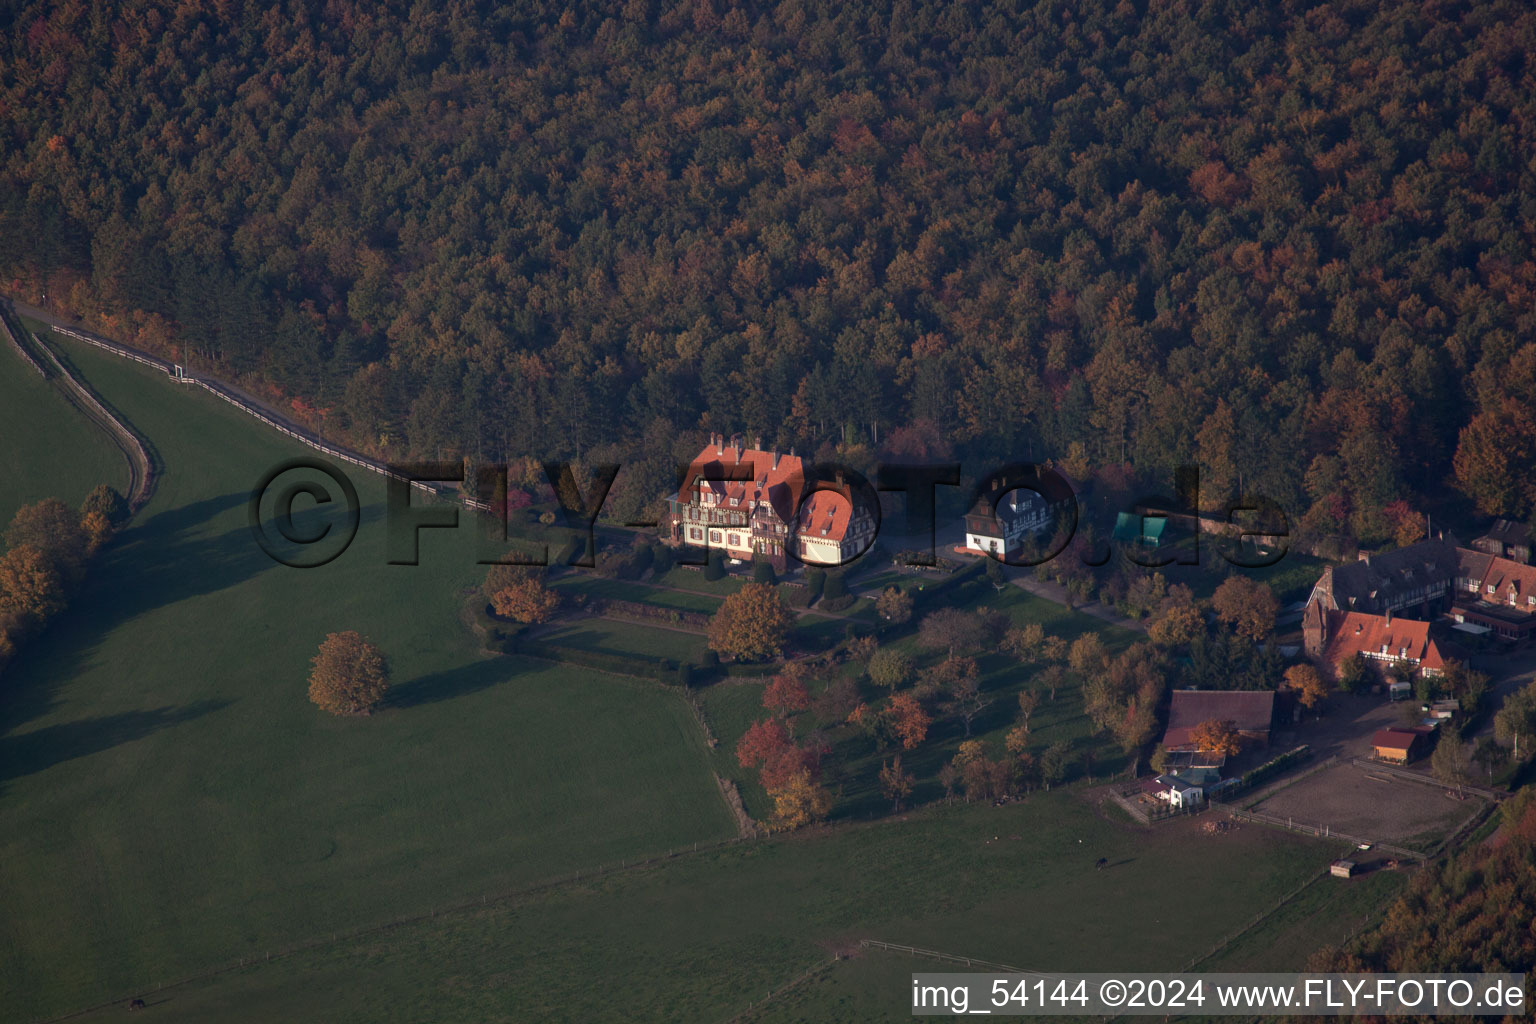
349	676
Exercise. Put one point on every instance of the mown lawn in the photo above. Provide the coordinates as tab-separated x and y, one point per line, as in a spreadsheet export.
630	590
48	449
698	939
611	636
170	800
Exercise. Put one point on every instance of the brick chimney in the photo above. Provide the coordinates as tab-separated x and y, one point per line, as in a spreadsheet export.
719	440
775	458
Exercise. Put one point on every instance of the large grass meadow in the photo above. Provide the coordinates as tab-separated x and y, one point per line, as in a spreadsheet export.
702	937
171	804
48	448
171	801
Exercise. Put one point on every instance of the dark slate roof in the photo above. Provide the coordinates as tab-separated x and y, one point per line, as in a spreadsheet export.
1373	580
1506	531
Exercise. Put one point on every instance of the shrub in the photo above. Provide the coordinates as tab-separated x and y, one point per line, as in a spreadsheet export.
815	582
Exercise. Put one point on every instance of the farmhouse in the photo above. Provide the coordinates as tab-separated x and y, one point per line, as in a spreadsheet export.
1175	791
1496	593
1400	746
1384	641
1001	521
1482	589
1250	711
748	503
1417	577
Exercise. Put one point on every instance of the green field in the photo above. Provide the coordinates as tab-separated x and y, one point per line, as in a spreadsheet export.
611	636
699	938
628	590
48	448
171	804
169	799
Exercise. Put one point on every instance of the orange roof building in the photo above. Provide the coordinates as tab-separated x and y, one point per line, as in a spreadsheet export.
1381	639
756	503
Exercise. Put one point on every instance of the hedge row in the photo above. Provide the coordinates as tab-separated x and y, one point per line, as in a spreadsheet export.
1268	769
642	612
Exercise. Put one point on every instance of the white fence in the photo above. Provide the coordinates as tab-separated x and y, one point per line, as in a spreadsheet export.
282	426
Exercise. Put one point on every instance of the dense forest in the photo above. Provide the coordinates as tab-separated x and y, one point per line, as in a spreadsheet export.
1292	241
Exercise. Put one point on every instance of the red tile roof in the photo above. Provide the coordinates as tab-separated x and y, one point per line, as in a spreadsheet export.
777	478
1395	739
825	515
1379	636
1249	710
1510	580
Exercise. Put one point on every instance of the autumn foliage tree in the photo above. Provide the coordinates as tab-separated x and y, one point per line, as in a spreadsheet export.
31	589
799	801
786	693
895	782
525	600
1307	684
1247	606
894	605
751	624
1216	736
350	675
908	720
1175	625
1495	459
760	742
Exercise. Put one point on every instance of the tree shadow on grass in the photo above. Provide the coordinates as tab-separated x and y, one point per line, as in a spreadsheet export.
27	753
157	563
455	682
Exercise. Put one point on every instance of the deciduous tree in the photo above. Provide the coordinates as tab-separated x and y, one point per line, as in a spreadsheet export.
800	801
31	589
1217	736
890	668
527	600
760	742
1307	684
908	720
894	605
895	783
1087	654
350	675
53	529
751	624
786	693
953	630
1247	606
